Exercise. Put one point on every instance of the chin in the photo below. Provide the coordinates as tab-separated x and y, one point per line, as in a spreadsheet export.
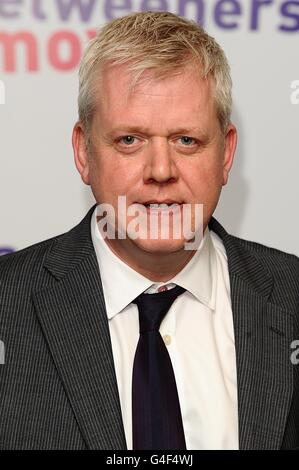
160	245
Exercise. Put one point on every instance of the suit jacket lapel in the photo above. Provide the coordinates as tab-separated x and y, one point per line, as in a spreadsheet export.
73	317
263	334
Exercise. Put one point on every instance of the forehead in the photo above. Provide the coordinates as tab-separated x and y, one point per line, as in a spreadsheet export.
184	96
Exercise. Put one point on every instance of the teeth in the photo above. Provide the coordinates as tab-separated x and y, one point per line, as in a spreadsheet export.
162	206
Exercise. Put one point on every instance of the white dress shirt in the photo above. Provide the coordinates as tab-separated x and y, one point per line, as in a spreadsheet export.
197	330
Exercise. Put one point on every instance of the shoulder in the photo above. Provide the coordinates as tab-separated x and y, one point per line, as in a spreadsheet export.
20	268
27	264
276	261
266	254
23	271
266	251
258	260
281	267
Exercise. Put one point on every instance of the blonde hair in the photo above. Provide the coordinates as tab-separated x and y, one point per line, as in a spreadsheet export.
159	41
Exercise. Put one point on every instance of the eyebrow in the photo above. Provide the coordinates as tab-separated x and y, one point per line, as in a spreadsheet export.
146	130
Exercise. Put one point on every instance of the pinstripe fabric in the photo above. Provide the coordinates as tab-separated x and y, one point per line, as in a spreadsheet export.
58	385
265	304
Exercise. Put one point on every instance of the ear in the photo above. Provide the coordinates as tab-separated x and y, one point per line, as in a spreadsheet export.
79	141
230	145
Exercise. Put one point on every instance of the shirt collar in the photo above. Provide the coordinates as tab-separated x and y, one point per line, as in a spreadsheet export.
122	284
199	275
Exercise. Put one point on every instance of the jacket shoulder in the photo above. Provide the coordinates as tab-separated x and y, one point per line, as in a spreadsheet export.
264	249
282	267
24	268
272	257
255	262
25	264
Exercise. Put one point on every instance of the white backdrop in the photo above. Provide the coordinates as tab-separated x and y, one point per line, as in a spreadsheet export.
41	42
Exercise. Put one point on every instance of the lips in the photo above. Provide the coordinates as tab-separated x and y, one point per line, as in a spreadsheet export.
159	207
166	203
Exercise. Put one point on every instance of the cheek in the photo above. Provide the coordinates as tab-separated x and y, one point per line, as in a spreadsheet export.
112	176
205	178
214	176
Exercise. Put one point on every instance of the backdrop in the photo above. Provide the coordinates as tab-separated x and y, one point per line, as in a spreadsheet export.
41	42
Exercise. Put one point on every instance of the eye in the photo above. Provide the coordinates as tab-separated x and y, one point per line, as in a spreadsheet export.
187	141
127	139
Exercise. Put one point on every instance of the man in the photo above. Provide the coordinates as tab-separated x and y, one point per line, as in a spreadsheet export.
81	369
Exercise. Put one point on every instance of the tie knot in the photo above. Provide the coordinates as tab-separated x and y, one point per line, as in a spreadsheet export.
153	307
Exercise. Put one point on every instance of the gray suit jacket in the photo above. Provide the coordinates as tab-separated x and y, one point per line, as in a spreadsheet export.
58	386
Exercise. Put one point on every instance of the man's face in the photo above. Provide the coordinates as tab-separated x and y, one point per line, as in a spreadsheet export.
161	142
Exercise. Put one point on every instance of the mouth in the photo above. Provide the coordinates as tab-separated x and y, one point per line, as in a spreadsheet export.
165	205
169	210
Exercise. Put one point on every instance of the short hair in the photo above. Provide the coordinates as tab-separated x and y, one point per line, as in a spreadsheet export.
158	41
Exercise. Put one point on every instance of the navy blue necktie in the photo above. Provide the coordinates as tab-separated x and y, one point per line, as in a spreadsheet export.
157	421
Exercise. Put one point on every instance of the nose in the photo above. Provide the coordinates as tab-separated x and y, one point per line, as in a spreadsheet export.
160	166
